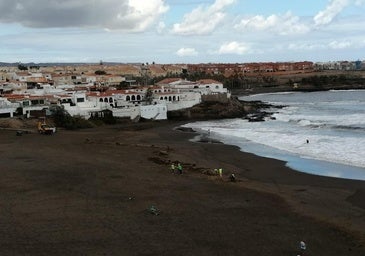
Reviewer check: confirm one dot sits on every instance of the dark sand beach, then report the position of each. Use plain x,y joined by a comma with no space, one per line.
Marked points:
90,192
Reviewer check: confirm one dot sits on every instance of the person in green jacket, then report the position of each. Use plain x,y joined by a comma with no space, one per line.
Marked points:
179,168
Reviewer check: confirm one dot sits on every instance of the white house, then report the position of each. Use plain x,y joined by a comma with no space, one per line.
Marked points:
169,95
129,103
77,104
204,87
7,108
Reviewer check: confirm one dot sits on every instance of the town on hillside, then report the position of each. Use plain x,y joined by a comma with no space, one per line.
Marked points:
139,90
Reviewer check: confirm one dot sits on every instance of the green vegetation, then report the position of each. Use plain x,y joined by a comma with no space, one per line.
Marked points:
106,118
331,80
149,96
22,67
63,119
242,81
100,72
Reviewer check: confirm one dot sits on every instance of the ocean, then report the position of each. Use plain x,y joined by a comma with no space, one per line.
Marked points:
321,133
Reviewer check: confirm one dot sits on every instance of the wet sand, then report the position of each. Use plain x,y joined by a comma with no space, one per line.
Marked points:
89,192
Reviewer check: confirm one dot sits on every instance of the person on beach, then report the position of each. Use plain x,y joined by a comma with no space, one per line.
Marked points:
220,172
172,168
232,178
179,168
302,247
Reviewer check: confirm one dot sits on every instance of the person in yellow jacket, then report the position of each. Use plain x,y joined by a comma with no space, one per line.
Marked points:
220,172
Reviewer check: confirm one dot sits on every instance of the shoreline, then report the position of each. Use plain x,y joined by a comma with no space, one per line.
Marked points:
327,166
324,168
311,166
292,176
110,175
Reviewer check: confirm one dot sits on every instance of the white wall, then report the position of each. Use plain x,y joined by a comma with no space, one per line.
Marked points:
157,111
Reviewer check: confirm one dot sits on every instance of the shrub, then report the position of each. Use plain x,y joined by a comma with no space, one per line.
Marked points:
65,120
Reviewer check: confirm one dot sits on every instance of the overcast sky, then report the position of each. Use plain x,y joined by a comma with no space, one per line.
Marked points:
181,31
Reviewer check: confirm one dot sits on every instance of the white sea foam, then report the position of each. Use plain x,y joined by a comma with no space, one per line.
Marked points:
345,150
335,134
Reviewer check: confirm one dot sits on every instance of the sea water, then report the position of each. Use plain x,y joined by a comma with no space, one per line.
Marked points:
321,133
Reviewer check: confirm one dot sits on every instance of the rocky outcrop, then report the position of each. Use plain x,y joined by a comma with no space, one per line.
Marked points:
233,108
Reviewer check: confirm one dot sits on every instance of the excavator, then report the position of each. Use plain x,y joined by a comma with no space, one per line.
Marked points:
44,128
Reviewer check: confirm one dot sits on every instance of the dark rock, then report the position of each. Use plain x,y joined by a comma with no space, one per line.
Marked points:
231,108
185,129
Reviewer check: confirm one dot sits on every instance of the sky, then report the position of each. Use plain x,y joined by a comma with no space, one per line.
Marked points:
181,31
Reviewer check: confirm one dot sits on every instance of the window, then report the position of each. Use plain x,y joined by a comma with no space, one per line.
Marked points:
80,99
101,99
110,100
128,98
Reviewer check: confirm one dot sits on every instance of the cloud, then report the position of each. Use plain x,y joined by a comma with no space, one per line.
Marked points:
183,52
161,27
305,46
331,11
202,21
282,24
130,15
334,45
234,48
340,44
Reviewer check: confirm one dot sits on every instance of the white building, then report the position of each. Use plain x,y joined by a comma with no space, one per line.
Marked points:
151,102
7,108
77,104
129,103
204,87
